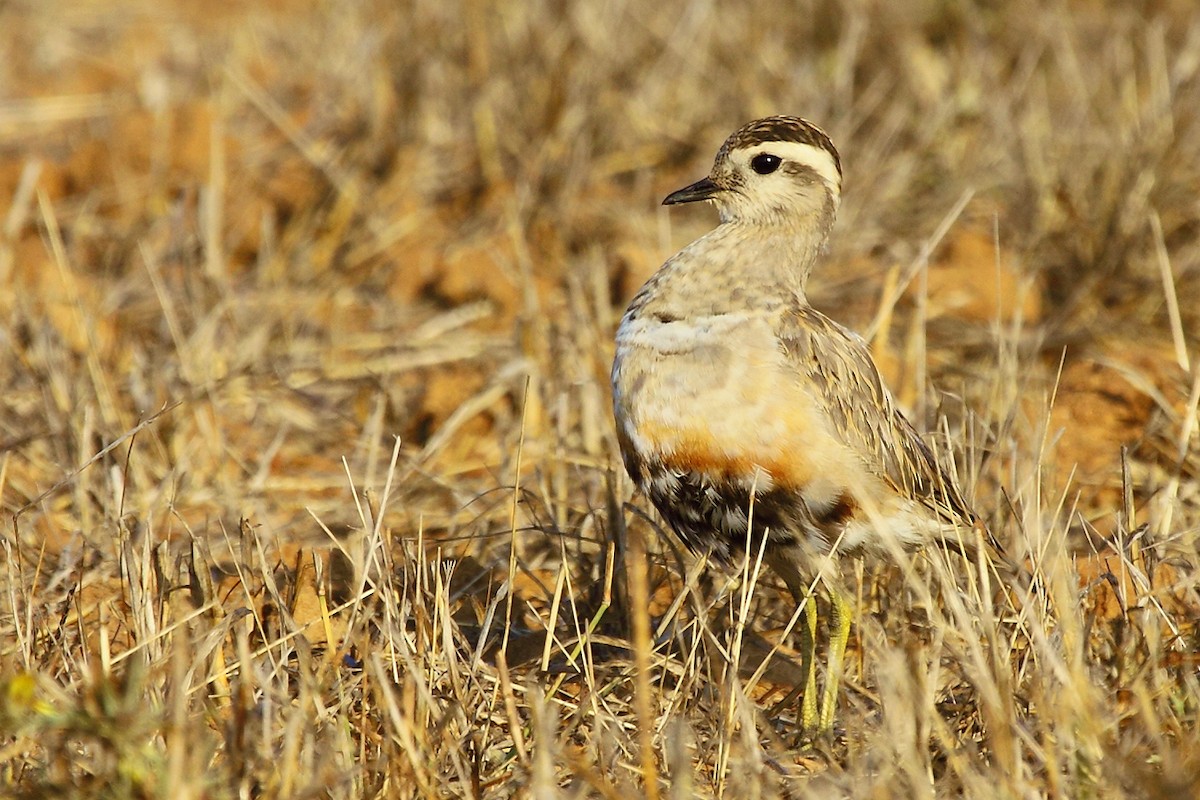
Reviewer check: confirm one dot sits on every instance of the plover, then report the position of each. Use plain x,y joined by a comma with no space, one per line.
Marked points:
744,412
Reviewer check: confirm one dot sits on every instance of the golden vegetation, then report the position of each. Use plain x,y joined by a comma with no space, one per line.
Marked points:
304,434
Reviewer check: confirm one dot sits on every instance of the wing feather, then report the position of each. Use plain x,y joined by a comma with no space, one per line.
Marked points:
838,364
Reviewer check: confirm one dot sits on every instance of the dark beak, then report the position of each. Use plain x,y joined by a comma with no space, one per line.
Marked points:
703,189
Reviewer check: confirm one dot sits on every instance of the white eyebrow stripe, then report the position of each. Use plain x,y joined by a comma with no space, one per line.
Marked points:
815,158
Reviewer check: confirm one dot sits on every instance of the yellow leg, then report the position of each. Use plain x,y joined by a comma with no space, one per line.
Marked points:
839,635
808,665
817,716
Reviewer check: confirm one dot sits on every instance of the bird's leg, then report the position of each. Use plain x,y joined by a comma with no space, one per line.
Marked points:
808,663
839,634
804,595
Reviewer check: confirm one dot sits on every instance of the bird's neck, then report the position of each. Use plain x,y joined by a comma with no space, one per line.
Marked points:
737,267
779,255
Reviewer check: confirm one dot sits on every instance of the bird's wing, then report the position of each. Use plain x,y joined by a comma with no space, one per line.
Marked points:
836,363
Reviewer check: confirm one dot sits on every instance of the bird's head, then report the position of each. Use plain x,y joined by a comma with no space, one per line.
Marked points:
776,170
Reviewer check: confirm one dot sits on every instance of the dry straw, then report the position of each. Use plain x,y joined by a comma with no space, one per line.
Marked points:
306,461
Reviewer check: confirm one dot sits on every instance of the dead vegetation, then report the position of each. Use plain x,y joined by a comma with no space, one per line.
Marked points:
306,459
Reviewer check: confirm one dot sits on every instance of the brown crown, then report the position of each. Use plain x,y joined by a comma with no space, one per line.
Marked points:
781,129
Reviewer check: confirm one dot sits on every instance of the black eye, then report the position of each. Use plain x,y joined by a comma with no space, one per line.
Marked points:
765,163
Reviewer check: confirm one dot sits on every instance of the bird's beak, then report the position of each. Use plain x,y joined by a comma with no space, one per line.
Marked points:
703,189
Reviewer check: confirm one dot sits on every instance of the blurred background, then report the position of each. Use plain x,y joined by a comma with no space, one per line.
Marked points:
246,248
316,226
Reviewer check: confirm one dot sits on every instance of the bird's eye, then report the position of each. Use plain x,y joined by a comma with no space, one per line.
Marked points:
765,163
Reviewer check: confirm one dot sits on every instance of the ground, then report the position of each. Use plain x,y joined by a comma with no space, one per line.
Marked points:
305,440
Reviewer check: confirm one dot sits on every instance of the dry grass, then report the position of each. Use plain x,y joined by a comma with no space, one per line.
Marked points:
304,431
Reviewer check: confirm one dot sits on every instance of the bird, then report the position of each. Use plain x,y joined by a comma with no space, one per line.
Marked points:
750,419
